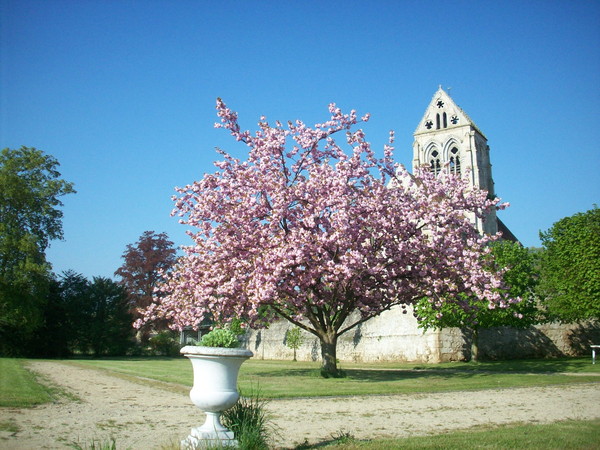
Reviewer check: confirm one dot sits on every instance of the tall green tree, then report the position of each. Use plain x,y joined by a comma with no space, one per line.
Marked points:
64,321
30,217
109,329
520,275
570,267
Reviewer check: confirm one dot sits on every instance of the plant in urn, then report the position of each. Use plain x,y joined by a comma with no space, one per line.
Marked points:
216,363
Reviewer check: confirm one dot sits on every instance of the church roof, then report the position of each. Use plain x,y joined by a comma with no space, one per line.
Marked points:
507,235
433,119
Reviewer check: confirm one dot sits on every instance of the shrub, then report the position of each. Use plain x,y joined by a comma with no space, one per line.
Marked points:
294,339
248,421
95,445
220,337
165,343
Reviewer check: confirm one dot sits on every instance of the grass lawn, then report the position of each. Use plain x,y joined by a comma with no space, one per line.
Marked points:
580,434
280,379
18,386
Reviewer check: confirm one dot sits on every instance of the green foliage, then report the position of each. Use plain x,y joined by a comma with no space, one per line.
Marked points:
570,267
22,302
294,339
96,444
471,314
109,330
220,337
64,321
343,438
82,317
248,420
30,187
465,312
521,267
165,343
236,326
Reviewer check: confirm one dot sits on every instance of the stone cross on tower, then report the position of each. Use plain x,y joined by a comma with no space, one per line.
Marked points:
446,139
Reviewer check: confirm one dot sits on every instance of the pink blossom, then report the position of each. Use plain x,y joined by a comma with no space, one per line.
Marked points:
312,230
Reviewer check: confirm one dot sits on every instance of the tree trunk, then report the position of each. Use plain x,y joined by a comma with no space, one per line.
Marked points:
329,367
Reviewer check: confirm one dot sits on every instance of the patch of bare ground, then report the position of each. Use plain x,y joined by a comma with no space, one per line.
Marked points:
153,416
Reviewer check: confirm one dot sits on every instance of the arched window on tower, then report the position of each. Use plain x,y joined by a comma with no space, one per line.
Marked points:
454,161
445,120
435,166
437,121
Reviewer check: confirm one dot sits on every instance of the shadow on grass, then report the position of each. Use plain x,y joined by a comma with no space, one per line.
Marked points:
454,370
118,358
372,375
532,366
376,376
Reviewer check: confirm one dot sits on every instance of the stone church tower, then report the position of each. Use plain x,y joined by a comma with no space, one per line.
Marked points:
446,139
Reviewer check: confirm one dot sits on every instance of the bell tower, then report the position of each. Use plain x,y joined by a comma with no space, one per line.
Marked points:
446,139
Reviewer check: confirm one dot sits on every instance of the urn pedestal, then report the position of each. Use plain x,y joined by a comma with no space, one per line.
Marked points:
215,390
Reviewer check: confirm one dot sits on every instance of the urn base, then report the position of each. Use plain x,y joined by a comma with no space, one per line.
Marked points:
210,435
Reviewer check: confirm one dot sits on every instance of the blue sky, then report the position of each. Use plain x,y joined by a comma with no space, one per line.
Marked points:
122,93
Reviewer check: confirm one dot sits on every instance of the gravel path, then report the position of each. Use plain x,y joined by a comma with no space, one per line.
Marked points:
143,416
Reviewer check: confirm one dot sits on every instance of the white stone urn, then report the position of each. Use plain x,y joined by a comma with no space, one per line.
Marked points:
215,390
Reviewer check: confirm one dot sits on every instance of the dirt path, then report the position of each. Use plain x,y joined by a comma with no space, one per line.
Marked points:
147,417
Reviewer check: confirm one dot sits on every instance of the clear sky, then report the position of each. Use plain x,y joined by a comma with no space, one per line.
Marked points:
122,93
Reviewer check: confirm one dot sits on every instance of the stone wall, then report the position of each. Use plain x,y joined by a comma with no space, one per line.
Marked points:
394,336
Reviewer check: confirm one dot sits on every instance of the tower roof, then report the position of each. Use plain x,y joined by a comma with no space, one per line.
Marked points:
433,119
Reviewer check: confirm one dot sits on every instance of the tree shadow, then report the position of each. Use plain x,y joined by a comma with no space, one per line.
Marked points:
583,336
314,350
380,376
541,366
374,375
504,343
357,336
457,371
121,358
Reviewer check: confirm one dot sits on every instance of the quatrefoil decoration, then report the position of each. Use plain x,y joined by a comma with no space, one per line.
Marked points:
454,120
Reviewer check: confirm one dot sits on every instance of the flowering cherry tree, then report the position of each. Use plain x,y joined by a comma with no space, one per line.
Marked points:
310,229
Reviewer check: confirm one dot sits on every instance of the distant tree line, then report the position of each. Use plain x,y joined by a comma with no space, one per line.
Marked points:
48,315
84,317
